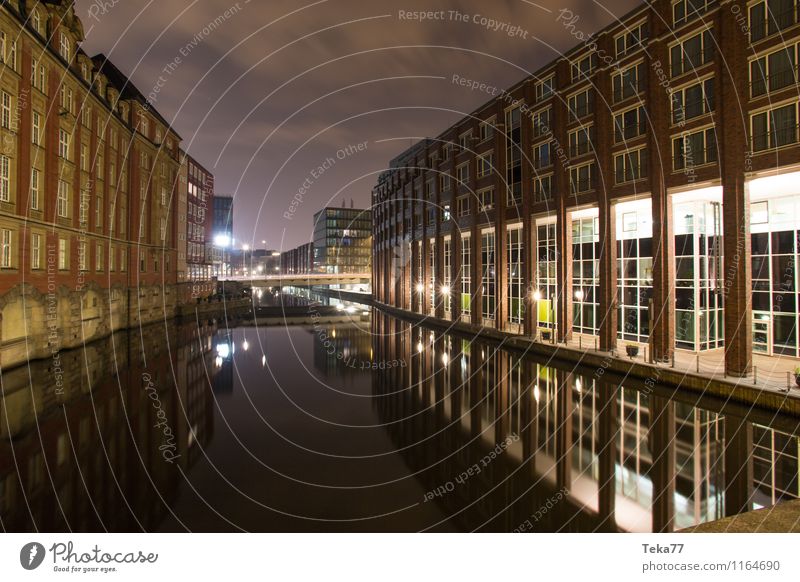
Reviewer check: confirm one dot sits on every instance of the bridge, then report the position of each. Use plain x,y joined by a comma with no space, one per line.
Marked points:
304,280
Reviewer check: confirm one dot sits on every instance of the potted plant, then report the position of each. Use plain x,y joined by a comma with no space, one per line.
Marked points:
632,350
797,376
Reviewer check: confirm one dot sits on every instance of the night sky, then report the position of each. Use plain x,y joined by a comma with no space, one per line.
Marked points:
274,88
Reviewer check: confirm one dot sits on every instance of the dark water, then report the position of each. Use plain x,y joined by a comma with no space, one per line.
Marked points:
368,426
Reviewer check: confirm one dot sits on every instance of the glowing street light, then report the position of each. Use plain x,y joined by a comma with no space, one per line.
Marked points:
420,288
537,295
579,295
445,290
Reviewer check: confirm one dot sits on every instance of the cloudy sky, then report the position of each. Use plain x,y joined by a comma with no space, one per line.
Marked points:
263,92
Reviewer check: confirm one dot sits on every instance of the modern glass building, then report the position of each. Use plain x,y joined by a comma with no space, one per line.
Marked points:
342,240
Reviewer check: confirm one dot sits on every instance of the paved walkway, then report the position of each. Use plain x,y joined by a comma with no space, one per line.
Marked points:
773,373
781,518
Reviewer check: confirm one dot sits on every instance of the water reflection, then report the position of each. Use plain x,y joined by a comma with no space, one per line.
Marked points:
372,426
96,439
584,452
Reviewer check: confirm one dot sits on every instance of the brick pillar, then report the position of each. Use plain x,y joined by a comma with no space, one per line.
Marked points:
662,334
426,249
501,250
455,250
528,237
732,80
532,256
563,216
438,229
607,214
564,267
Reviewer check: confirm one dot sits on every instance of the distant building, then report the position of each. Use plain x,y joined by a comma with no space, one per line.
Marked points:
195,250
265,262
298,261
342,240
199,221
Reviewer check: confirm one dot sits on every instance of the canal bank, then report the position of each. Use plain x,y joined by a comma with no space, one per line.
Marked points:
702,384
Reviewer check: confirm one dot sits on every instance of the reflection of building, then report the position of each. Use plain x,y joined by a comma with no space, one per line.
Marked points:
87,175
93,457
628,457
586,193
222,229
299,260
344,349
342,240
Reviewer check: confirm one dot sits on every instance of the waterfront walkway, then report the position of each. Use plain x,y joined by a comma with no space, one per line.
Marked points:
765,389
772,373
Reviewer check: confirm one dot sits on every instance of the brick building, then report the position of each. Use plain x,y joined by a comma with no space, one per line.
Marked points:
87,175
643,187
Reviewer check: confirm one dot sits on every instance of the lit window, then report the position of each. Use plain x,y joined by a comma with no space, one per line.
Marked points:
35,175
36,130
62,202
5,109
65,47
5,258
5,179
36,251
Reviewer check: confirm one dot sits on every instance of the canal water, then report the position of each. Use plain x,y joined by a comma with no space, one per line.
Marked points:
373,425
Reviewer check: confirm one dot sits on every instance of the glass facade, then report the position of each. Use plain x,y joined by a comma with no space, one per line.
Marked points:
489,275
634,270
775,232
698,271
342,240
586,292
466,275
516,283
546,273
447,292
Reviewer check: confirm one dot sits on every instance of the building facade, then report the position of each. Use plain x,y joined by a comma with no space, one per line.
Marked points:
643,187
198,234
342,240
298,261
87,175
